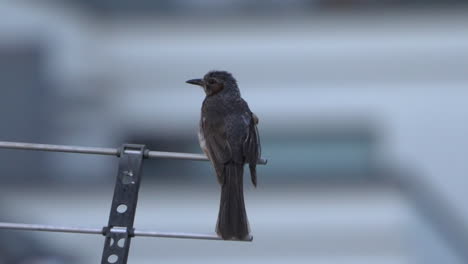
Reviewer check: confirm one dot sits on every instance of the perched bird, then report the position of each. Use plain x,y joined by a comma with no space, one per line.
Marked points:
228,135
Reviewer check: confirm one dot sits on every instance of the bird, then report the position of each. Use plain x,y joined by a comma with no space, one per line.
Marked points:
228,135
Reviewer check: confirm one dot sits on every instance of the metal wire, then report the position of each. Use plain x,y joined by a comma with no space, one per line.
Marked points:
105,151
184,235
50,228
59,148
99,231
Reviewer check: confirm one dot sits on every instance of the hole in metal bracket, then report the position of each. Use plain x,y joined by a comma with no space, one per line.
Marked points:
121,242
119,229
132,151
112,258
122,208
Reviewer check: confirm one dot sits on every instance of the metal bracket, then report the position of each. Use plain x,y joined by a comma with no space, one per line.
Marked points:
120,229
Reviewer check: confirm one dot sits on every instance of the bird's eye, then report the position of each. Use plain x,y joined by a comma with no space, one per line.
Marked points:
211,81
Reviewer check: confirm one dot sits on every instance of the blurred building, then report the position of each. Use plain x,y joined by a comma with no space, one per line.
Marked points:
362,108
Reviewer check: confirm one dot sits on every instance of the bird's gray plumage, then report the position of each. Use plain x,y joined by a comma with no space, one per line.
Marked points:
229,136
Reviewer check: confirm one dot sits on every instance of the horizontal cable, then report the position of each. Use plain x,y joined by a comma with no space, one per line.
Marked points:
99,231
49,228
184,235
104,151
59,148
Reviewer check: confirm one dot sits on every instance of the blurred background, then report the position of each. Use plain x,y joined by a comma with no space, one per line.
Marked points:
363,118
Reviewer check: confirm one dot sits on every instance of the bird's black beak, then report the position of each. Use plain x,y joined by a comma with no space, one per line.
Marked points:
199,82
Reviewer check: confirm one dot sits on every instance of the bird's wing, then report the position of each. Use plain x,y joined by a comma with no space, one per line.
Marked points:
217,145
251,146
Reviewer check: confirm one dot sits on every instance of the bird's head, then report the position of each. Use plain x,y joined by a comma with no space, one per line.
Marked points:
217,81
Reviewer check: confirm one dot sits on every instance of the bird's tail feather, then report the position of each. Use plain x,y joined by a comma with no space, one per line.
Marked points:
232,218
